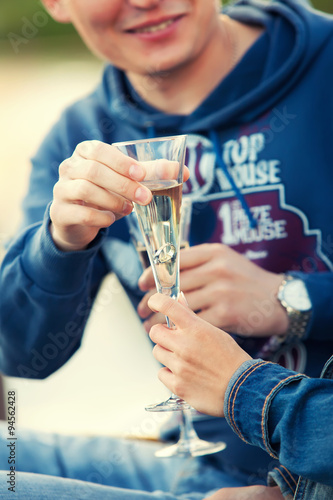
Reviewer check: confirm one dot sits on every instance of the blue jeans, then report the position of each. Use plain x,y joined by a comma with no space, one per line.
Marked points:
51,466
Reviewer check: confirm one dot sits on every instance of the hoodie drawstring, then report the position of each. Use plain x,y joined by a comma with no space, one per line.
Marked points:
220,164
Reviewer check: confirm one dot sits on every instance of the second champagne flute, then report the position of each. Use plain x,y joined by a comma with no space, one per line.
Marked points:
159,222
189,442
163,159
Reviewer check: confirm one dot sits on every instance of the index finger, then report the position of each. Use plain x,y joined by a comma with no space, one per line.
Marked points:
176,312
111,157
198,255
146,280
163,169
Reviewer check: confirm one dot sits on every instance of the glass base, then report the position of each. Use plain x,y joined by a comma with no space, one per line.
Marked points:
193,447
174,403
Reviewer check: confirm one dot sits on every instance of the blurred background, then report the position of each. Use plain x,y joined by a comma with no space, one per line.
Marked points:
44,67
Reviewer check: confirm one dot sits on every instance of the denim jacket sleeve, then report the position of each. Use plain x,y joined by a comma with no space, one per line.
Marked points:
287,414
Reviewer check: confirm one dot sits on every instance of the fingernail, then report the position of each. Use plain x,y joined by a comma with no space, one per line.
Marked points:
127,207
136,172
113,217
142,195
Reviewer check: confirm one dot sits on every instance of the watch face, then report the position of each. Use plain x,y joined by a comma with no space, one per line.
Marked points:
296,296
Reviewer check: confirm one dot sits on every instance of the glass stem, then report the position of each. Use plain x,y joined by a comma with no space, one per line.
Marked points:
187,432
170,323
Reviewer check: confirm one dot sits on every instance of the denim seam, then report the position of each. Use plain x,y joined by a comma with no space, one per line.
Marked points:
293,489
231,396
304,488
290,474
265,410
235,390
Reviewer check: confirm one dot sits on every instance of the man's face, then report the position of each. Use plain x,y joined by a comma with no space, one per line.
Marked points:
144,36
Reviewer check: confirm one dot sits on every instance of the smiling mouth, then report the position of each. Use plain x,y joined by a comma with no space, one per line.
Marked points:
154,28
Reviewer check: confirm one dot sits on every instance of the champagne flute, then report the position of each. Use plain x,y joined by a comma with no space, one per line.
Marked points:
159,225
163,159
189,442
185,222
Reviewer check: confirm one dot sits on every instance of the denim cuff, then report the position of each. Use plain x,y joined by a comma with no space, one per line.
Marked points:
248,399
284,479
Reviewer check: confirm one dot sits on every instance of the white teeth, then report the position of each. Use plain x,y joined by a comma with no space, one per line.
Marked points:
157,27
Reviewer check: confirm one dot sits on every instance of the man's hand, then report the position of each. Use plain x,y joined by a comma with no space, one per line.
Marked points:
96,186
199,359
248,493
226,289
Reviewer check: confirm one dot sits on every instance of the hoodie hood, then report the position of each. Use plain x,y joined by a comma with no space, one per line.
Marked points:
294,33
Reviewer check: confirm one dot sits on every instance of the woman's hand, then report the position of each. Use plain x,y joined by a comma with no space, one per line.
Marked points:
256,492
199,359
226,289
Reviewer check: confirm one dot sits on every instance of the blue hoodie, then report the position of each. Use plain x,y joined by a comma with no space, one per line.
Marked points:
254,147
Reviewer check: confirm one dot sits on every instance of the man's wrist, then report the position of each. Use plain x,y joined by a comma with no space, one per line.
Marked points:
49,268
294,298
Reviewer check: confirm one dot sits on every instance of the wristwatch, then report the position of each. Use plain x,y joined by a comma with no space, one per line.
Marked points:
294,298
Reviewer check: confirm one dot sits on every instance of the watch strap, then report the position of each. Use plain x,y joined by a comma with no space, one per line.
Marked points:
298,320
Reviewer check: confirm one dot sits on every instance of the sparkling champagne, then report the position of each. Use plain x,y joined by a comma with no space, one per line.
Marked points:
143,255
159,222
